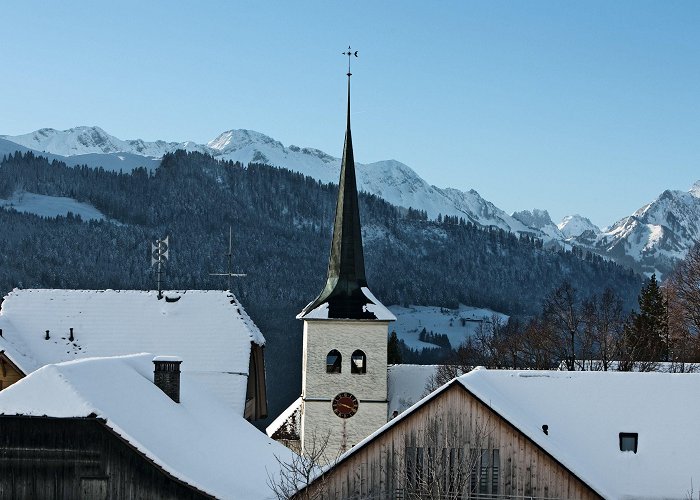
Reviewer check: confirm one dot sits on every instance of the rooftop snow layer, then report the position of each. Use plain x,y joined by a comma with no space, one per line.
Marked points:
200,441
209,330
406,384
373,306
586,412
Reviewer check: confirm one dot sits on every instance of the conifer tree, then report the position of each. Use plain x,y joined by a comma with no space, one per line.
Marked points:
393,353
646,335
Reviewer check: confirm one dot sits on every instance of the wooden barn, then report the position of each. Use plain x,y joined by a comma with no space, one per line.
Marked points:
535,435
101,428
209,329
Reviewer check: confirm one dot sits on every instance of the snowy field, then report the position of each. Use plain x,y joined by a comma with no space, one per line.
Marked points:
457,324
51,206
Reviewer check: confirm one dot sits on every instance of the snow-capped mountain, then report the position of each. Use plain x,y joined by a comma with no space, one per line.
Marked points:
656,234
392,180
573,226
87,140
541,220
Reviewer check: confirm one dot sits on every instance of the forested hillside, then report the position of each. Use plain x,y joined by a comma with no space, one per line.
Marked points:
281,230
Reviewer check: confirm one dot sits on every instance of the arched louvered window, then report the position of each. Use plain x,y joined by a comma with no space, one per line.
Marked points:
358,362
333,361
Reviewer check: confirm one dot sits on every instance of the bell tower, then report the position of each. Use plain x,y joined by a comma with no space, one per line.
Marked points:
344,371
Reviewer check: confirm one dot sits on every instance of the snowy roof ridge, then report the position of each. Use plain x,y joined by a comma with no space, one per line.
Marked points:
282,418
195,440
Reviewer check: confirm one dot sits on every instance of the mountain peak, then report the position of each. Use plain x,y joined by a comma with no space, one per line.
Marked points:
235,139
538,218
695,190
575,225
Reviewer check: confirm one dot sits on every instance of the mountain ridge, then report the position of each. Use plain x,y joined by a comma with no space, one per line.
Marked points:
649,240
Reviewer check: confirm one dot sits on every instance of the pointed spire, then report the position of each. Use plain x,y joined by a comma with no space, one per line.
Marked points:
346,264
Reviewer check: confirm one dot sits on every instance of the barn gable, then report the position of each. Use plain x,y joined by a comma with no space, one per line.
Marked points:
539,434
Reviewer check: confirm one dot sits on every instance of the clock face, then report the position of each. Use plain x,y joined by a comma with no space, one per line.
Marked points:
345,405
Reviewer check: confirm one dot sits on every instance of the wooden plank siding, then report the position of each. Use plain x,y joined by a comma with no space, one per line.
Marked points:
79,458
468,451
9,373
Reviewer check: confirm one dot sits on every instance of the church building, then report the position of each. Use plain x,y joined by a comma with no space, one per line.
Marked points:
344,372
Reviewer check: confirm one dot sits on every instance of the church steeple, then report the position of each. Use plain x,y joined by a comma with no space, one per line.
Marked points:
346,265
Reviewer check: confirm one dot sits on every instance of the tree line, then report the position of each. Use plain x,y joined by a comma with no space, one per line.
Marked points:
573,332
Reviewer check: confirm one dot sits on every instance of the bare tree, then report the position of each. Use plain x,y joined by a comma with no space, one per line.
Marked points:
685,282
447,459
603,326
295,475
443,374
541,347
561,311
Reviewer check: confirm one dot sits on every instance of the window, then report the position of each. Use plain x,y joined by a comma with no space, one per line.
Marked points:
628,441
495,471
333,361
484,472
358,362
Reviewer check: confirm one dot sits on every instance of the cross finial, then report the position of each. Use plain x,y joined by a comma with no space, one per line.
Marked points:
350,53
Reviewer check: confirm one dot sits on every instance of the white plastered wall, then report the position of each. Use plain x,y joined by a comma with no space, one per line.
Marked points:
320,387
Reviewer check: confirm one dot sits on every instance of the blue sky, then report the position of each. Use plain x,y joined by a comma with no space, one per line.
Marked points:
577,107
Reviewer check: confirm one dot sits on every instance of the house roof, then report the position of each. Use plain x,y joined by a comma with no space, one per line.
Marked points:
585,412
199,441
406,384
288,423
371,307
209,329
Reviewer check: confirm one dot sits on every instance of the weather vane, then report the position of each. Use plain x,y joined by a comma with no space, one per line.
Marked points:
349,53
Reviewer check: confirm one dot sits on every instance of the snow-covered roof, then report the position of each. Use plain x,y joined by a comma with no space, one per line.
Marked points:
209,330
585,413
289,421
406,384
199,441
373,306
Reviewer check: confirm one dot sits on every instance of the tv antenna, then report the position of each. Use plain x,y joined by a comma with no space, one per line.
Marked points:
229,262
160,252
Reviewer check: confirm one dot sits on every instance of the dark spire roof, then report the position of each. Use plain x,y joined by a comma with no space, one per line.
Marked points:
346,264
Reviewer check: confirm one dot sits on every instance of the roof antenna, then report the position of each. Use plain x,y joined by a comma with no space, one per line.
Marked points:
229,261
160,252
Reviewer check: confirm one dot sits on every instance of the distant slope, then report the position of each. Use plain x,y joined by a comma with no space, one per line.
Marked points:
458,324
50,206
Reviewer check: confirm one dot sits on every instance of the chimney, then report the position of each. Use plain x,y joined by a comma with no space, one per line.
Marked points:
0,332
71,337
47,335
166,375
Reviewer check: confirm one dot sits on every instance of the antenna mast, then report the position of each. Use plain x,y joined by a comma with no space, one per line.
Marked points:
229,262
160,253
